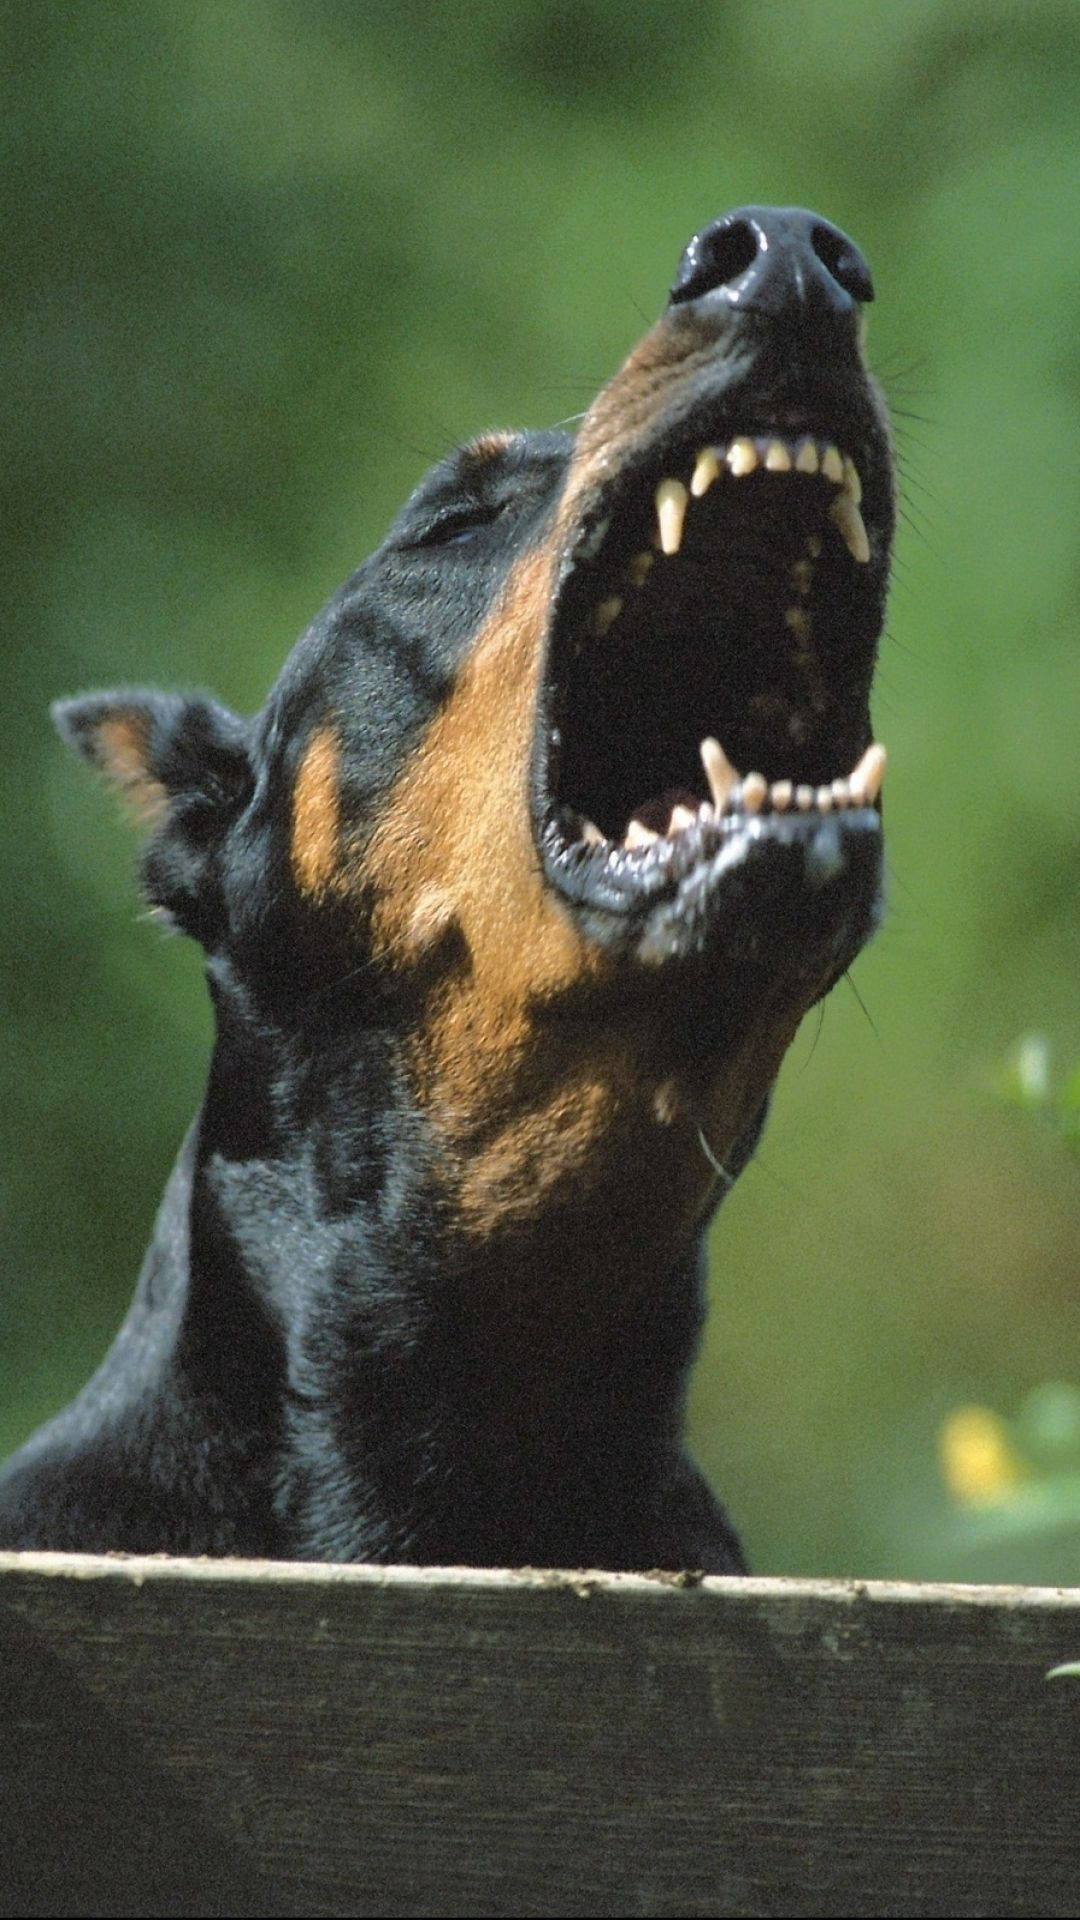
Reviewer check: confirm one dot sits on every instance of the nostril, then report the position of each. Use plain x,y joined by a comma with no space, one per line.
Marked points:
843,261
731,250
783,265
715,256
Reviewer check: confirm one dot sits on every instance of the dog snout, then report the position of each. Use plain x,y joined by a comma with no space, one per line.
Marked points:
786,265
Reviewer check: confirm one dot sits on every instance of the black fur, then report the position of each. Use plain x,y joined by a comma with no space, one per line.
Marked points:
369,1324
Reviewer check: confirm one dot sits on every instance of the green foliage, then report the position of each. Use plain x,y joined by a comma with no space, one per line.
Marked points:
262,263
1026,1081
1016,1484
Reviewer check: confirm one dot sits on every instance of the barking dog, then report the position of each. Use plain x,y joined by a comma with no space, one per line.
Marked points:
558,819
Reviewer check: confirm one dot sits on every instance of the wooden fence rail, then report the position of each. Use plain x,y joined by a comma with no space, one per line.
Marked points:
216,1737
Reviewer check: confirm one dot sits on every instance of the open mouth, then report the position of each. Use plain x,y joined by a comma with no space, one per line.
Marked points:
710,657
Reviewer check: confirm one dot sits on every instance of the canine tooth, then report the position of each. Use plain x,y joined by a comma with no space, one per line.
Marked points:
719,772
852,483
832,465
849,523
804,798
742,456
605,613
813,546
841,793
754,789
639,835
777,457
806,460
591,833
638,569
875,772
706,470
671,503
781,793
865,781
798,620
802,574
681,817
823,799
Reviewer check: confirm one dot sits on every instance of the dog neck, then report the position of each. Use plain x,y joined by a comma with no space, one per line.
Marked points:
440,1392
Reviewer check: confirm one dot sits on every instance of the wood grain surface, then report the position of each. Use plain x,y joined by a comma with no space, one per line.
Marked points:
190,1737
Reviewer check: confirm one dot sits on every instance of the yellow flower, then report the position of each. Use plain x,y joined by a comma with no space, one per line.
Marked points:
978,1461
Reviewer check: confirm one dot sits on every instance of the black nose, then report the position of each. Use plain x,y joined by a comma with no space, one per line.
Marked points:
783,262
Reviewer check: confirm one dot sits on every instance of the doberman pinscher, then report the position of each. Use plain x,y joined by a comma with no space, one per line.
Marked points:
559,818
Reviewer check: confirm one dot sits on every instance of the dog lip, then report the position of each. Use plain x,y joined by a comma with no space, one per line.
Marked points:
743,886
602,873
806,888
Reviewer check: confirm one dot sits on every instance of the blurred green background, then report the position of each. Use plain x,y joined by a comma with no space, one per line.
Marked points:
262,263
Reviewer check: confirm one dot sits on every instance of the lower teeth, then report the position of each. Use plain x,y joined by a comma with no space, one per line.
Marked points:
751,792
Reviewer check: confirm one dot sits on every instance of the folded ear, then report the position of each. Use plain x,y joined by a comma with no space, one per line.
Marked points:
183,763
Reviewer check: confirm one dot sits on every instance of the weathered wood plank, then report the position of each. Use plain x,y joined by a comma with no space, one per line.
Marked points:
228,1738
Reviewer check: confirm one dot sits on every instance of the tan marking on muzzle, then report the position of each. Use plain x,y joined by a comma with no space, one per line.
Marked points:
542,1097
455,839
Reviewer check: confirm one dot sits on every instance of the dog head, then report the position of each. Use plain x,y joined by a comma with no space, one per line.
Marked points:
572,787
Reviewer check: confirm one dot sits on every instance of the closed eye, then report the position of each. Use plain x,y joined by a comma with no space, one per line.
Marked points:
459,525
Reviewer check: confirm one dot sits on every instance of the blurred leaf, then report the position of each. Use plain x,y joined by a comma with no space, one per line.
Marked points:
1048,1424
1070,1093
979,1464
1025,1078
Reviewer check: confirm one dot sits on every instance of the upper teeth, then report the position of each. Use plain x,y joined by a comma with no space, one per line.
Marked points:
671,504
705,472
846,518
744,455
